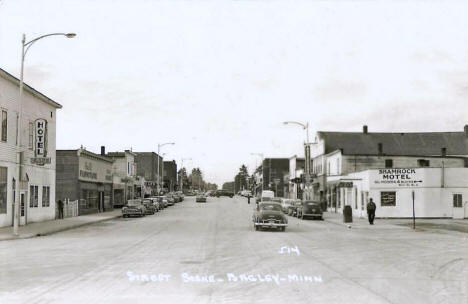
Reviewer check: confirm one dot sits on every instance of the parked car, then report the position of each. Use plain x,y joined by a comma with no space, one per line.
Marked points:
170,200
309,209
201,198
133,207
162,200
149,206
157,204
181,194
292,209
246,193
269,215
224,193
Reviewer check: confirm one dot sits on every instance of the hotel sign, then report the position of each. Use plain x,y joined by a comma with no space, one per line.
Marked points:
40,143
397,178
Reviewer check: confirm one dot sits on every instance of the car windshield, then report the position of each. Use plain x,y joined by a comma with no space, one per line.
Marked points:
134,203
271,207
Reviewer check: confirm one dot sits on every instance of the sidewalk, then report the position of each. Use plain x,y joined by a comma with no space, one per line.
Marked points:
49,227
361,223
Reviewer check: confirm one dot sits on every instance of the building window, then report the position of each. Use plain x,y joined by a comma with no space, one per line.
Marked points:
457,201
388,199
46,196
31,135
4,125
33,196
338,166
3,189
423,163
389,163
128,168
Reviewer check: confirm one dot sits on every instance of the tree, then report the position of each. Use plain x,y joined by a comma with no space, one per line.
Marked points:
240,180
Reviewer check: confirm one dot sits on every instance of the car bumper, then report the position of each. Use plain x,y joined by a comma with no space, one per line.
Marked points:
271,224
313,214
132,213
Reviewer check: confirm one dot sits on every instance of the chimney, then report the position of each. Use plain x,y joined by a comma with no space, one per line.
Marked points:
443,151
379,146
364,129
103,150
466,130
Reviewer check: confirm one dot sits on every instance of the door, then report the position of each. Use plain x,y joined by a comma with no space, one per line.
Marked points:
457,204
22,208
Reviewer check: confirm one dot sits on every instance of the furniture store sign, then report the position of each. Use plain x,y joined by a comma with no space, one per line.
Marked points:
397,178
40,143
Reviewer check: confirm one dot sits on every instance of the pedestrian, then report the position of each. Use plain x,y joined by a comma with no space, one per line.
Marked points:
248,199
371,211
60,209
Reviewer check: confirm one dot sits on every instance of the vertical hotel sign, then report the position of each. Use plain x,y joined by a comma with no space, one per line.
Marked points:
40,143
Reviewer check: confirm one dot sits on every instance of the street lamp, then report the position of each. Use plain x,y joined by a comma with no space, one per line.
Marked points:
158,179
263,167
306,154
24,49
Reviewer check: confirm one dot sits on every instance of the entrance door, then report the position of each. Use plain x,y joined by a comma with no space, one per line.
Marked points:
22,208
458,208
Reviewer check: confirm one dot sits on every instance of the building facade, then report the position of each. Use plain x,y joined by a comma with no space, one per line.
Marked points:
170,175
337,154
147,167
87,177
38,157
124,176
271,174
436,192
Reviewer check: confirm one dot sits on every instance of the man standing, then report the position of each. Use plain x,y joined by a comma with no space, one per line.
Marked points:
60,209
371,211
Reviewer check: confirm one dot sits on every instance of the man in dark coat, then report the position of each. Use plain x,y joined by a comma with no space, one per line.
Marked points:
371,211
60,209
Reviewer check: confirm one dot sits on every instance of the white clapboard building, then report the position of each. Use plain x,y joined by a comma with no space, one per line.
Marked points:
38,143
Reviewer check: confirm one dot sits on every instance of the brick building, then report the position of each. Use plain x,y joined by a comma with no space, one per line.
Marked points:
147,167
170,175
87,177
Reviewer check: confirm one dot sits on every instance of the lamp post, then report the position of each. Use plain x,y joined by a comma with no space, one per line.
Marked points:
306,155
158,179
162,169
24,50
263,167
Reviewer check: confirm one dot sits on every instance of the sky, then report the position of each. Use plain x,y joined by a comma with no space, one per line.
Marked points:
218,78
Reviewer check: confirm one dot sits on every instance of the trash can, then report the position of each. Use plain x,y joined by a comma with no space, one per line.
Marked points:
347,214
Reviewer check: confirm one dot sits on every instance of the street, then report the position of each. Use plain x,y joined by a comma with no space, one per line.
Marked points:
210,253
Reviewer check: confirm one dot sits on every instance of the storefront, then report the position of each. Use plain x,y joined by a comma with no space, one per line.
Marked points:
436,192
86,177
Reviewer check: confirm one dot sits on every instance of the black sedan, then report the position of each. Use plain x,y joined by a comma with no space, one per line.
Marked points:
309,209
269,215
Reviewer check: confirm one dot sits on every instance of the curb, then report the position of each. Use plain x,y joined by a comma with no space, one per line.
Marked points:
61,229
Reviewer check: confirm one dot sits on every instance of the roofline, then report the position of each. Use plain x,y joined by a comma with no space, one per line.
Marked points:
395,133
30,89
406,155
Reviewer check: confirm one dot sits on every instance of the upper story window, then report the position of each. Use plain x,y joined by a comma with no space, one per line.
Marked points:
128,168
389,163
4,125
423,163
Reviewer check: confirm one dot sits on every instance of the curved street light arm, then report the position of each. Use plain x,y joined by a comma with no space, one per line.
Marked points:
31,42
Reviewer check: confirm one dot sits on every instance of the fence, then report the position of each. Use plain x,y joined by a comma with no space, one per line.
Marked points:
70,208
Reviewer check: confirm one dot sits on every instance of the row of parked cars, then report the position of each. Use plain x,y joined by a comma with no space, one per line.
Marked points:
148,206
271,211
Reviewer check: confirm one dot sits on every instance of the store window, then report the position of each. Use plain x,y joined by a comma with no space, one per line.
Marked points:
457,200
46,196
389,163
33,196
388,198
4,125
3,189
423,163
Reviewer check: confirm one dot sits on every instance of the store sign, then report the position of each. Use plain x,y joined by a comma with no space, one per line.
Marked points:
150,184
40,143
94,170
390,178
345,185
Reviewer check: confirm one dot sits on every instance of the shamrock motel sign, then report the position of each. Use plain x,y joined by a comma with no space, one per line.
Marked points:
40,143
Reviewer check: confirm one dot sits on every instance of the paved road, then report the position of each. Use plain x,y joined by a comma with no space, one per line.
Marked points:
156,259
